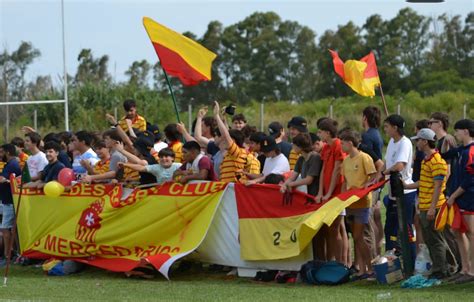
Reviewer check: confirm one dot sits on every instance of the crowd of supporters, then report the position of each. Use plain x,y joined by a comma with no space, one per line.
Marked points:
435,167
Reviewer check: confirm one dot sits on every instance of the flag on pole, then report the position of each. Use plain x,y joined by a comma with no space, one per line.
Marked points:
361,75
180,56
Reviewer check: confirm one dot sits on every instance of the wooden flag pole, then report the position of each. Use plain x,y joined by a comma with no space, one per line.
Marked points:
383,100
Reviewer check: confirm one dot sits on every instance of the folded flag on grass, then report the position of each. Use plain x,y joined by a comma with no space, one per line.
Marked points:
361,75
179,55
277,226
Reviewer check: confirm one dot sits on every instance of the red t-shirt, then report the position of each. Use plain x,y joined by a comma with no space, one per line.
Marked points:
330,154
205,164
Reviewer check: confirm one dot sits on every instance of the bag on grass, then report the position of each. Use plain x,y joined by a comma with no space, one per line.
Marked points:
325,273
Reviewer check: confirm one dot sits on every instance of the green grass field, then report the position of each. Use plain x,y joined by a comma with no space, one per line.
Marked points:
30,283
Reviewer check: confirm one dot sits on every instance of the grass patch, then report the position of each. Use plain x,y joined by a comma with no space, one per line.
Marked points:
30,283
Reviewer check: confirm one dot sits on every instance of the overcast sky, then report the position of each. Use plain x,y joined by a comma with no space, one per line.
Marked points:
115,27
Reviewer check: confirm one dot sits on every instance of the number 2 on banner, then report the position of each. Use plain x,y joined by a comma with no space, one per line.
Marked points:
277,235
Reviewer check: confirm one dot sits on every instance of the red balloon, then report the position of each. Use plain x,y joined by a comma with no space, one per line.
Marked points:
66,176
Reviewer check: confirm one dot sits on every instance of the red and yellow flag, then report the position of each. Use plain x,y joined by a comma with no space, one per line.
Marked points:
362,75
278,226
180,56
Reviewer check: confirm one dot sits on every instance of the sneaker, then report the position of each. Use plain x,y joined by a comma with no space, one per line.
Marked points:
437,275
465,279
455,277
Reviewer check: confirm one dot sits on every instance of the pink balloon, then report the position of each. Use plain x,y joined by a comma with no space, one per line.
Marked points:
66,176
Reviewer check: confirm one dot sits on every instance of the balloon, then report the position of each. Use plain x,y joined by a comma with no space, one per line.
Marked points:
66,176
53,189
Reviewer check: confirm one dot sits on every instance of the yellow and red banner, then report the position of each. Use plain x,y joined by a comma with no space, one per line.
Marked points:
277,226
98,225
179,55
361,75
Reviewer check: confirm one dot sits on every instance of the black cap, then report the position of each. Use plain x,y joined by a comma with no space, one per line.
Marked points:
268,144
155,130
396,120
299,123
274,129
465,124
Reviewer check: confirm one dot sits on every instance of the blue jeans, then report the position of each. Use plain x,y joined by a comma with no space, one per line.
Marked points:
391,223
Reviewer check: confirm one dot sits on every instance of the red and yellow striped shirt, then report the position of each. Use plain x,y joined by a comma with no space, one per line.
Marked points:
138,122
2,165
102,166
293,158
235,160
177,147
431,169
253,164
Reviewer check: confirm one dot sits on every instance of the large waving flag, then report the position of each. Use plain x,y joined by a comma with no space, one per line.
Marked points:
361,75
277,226
179,55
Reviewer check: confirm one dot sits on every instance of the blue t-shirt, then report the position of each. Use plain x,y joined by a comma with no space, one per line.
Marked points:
12,167
51,171
373,139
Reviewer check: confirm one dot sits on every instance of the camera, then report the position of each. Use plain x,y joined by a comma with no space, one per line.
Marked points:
230,110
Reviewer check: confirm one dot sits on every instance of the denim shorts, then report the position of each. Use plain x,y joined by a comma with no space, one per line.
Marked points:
8,216
359,215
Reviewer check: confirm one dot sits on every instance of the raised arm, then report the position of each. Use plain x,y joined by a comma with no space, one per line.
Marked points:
203,141
182,129
221,125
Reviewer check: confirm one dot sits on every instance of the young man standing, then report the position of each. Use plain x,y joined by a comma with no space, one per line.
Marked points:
330,186
81,142
111,139
37,160
197,166
462,189
296,126
136,121
276,130
359,171
431,197
12,166
398,158
19,144
52,169
235,159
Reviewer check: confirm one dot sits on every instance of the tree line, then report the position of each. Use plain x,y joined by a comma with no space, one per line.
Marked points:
263,58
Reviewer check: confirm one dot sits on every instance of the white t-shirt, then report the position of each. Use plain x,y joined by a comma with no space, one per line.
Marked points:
79,170
277,165
36,163
401,151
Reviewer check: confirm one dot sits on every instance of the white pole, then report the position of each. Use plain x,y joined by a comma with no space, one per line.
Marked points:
66,104
398,109
115,113
330,110
262,112
464,111
35,120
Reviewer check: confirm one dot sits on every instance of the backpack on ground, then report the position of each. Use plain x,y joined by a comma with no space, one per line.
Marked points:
325,273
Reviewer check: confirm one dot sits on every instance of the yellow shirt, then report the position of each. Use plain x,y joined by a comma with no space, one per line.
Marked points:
293,159
234,160
431,168
253,164
177,148
356,171
102,167
2,165
138,122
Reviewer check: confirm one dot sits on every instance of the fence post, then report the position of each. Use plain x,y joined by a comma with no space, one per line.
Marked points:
115,114
35,120
464,110
262,108
7,123
331,108
190,116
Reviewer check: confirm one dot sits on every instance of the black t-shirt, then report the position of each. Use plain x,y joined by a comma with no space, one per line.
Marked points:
145,177
285,148
51,171
261,158
212,148
311,167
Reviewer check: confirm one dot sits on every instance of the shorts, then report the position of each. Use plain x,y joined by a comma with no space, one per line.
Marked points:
359,215
8,216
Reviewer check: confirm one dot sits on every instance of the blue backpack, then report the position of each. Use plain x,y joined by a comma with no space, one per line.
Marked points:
325,273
